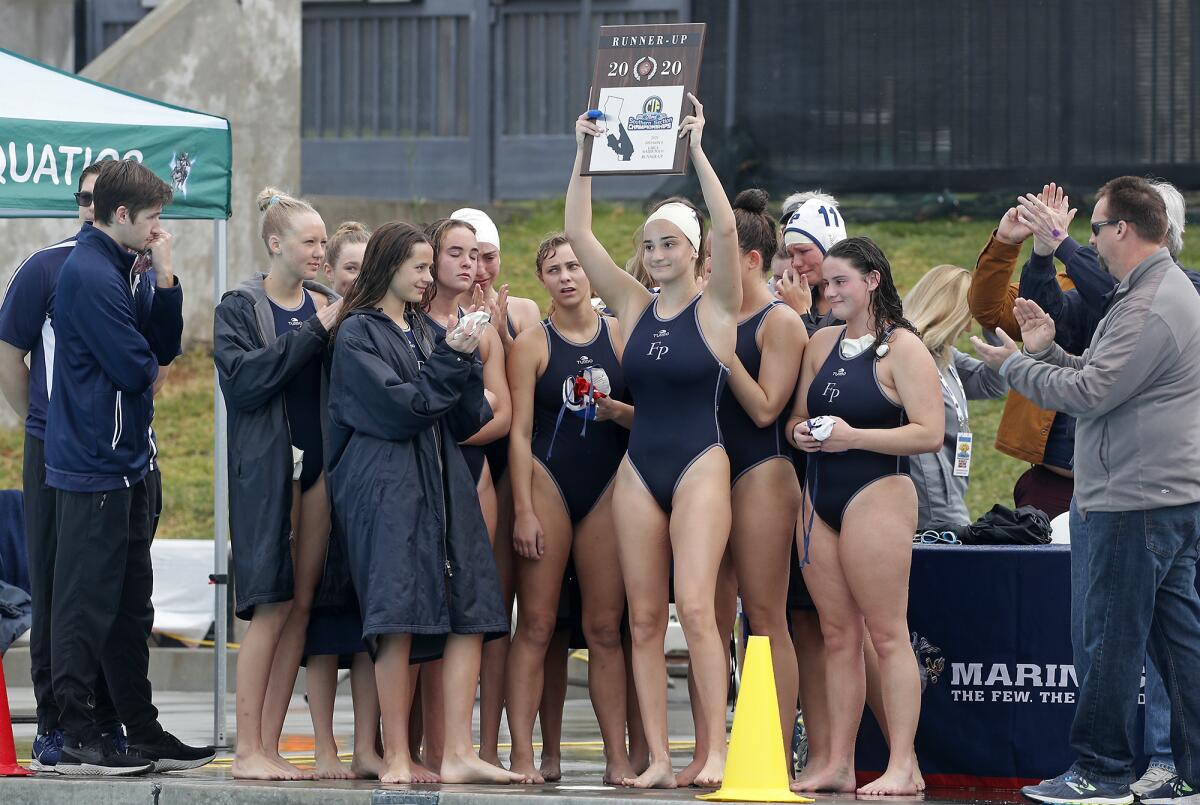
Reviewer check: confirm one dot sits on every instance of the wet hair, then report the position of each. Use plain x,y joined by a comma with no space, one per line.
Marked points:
643,276
548,248
633,266
937,306
887,311
388,248
278,209
92,170
436,233
129,184
756,230
1135,201
348,233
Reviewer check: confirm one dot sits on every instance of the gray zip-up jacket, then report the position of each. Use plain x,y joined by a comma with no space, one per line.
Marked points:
1135,392
941,495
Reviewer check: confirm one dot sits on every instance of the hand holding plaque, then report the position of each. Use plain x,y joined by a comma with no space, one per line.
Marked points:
642,75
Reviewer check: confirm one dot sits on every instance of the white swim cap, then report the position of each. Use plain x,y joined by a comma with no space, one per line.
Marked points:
816,222
485,230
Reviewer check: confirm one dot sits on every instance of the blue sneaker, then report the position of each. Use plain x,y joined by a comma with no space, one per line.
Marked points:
1173,791
47,749
1072,788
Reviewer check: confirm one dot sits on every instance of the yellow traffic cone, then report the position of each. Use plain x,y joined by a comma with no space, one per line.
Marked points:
756,768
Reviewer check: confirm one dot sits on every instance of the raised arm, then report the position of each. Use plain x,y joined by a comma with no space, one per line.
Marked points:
251,375
724,288
991,293
369,396
494,381
621,292
783,341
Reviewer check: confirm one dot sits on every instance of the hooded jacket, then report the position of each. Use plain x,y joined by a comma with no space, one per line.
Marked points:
109,342
403,496
254,366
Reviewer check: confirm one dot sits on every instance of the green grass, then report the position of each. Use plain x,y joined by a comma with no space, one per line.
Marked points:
184,419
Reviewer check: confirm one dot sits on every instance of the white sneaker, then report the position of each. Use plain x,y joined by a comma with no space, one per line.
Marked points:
1154,779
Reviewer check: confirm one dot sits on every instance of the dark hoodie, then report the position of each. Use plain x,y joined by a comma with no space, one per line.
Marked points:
403,496
254,366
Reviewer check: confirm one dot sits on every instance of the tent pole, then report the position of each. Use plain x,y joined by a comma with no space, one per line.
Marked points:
220,510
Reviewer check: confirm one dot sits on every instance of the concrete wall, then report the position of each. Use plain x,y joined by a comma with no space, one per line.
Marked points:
236,58
40,29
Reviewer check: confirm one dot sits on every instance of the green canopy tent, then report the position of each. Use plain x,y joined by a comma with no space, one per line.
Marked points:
52,125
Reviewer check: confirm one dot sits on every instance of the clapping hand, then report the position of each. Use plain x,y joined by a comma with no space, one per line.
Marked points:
1037,331
1047,216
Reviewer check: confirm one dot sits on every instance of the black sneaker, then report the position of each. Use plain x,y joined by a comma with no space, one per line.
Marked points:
98,758
168,753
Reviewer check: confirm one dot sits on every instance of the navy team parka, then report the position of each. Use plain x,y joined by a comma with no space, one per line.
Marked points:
402,494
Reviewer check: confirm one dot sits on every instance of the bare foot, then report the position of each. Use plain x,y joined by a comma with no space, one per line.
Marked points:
289,769
551,769
714,770
836,779
259,767
617,771
526,770
895,781
471,768
424,775
331,767
918,778
658,775
398,771
367,766
687,775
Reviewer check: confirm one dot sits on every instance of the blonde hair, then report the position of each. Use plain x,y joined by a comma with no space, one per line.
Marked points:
278,209
937,307
348,233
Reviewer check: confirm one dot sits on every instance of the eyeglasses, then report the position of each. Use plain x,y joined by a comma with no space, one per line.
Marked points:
84,198
936,538
1098,225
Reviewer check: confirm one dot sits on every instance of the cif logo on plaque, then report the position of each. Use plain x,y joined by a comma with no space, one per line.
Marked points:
642,75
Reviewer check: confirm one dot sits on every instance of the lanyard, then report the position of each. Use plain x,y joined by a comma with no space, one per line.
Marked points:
959,409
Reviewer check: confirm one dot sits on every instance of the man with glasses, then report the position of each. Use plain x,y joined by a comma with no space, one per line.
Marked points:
1079,310
1134,392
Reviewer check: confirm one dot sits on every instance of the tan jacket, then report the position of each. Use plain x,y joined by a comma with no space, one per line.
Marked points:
1024,428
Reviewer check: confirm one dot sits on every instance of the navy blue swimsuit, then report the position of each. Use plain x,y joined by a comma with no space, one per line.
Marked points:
579,455
302,394
474,454
676,383
849,388
747,444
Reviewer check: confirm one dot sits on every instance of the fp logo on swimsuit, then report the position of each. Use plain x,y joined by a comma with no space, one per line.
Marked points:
831,391
658,349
